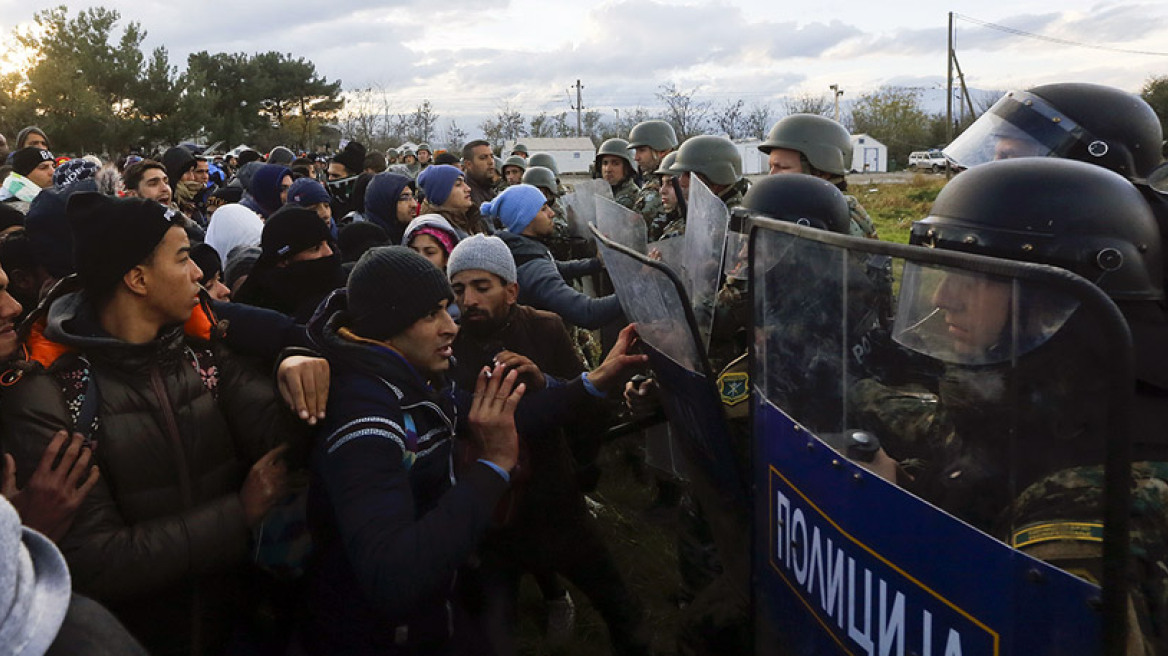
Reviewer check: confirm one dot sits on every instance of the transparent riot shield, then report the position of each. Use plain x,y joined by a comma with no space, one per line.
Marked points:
621,225
653,298
580,206
993,519
670,251
705,242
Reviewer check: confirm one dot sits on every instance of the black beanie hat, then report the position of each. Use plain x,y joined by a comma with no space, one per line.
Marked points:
177,160
352,156
392,287
208,260
27,159
289,230
113,235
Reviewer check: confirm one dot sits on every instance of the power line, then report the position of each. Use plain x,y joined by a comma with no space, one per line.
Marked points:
1052,39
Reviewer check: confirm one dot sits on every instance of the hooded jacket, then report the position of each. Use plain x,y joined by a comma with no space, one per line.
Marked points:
381,203
162,538
542,285
263,190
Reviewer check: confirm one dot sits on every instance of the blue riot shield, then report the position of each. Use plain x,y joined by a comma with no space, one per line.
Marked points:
998,391
654,298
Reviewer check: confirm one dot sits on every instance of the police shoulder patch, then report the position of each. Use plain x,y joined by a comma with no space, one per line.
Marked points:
734,387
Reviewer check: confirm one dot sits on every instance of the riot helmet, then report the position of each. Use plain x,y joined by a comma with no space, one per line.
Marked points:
545,160
656,134
544,178
797,198
1086,122
716,158
1063,213
825,144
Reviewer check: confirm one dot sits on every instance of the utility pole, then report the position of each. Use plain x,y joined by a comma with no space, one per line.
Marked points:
836,93
949,94
579,107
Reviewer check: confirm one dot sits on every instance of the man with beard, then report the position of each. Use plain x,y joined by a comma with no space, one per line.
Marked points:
297,267
478,162
549,529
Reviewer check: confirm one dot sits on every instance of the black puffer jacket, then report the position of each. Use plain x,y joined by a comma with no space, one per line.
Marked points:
162,537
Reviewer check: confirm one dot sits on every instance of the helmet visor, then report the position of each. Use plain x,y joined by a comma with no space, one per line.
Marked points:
970,318
1020,124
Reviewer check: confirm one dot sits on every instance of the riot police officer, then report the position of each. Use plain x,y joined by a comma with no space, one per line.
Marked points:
1030,342
819,146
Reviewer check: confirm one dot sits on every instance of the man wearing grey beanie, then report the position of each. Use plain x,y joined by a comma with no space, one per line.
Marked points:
550,531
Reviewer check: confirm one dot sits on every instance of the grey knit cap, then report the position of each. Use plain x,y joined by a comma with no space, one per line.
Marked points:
483,253
34,587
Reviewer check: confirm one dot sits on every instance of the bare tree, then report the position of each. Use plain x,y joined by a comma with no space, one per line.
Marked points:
683,111
758,121
730,119
542,125
627,120
423,122
455,137
808,103
593,125
360,120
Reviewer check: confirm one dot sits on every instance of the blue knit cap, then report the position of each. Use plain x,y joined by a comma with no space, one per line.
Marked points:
437,181
516,207
306,191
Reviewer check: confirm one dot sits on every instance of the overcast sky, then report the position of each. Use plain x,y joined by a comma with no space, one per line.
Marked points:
469,56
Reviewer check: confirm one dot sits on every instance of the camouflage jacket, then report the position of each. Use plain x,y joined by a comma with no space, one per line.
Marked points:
649,203
862,225
626,193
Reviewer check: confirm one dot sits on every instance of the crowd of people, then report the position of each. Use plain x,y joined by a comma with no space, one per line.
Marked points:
303,404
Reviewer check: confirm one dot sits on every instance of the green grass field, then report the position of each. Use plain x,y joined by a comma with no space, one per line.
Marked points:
894,206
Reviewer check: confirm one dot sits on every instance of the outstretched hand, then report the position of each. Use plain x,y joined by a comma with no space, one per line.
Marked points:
56,489
492,414
618,363
304,386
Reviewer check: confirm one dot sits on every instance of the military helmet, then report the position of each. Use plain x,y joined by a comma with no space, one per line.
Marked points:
544,178
498,165
666,163
408,152
545,160
515,160
656,134
1089,122
717,158
825,143
519,148
425,147
1064,213
618,148
798,198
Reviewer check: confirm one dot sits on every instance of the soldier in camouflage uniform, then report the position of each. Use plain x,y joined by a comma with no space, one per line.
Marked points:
615,165
513,169
650,142
1066,214
816,145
